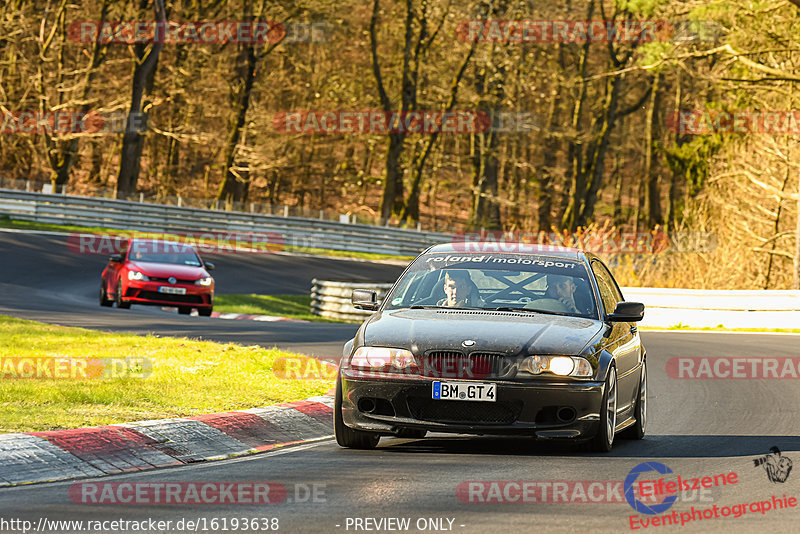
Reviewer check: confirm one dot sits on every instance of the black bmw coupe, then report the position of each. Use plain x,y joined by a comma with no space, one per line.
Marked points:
538,341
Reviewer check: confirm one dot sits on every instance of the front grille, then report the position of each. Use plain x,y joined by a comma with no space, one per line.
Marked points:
166,280
446,411
454,364
166,297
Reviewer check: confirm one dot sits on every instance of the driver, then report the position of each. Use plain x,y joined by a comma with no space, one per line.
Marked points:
461,291
562,288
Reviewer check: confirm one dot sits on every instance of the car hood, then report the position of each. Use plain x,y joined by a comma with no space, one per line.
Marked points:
165,270
507,332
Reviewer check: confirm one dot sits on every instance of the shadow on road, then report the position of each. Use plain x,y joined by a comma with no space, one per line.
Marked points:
655,446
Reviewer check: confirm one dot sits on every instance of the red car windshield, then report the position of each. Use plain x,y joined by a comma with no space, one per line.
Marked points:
158,252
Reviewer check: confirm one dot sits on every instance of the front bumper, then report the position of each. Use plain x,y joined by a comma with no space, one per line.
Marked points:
532,408
146,292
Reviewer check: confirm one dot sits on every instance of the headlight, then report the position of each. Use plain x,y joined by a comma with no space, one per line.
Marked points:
384,359
205,281
136,275
558,365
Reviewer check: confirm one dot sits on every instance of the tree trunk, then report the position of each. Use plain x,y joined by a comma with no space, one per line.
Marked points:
143,77
651,171
235,186
797,240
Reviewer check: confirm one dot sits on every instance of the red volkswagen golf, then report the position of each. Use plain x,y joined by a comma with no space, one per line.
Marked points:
161,273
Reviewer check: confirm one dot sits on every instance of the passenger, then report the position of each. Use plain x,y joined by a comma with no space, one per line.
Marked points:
461,291
562,288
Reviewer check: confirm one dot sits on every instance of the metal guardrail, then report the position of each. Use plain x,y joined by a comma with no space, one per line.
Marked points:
293,231
664,308
331,298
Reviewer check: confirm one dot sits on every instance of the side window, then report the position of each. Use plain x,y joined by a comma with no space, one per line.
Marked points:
609,292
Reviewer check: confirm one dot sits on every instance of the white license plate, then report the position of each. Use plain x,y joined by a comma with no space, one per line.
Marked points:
172,290
466,391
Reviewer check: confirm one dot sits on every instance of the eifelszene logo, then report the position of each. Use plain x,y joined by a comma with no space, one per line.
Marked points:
630,485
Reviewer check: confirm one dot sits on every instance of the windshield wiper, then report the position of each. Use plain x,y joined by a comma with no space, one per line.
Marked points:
548,312
433,307
512,309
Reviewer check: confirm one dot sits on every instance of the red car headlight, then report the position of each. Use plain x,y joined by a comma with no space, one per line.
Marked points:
136,275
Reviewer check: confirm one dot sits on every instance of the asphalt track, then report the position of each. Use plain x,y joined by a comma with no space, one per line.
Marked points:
696,427
41,279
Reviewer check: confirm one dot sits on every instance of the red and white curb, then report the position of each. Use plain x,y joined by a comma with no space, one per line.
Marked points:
28,458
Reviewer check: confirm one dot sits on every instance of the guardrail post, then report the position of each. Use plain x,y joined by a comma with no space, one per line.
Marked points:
285,210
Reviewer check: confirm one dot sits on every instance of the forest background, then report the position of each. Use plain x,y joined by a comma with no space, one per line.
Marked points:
686,127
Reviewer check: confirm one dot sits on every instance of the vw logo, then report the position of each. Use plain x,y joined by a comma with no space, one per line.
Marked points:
468,342
172,280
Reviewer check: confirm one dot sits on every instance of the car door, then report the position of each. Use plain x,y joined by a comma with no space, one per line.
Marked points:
624,341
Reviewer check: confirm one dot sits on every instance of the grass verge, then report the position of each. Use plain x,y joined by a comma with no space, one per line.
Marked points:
6,222
187,377
291,306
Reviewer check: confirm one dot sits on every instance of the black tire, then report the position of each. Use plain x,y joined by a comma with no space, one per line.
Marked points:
204,312
638,429
346,436
604,439
118,298
411,433
183,310
104,300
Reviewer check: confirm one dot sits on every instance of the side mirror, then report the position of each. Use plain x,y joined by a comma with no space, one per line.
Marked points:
364,299
209,266
115,257
626,312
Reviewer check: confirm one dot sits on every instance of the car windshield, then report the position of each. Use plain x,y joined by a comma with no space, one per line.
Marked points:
513,282
163,252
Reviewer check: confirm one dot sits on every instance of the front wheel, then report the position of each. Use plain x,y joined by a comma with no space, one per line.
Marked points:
346,436
637,431
118,298
104,300
604,438
204,312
